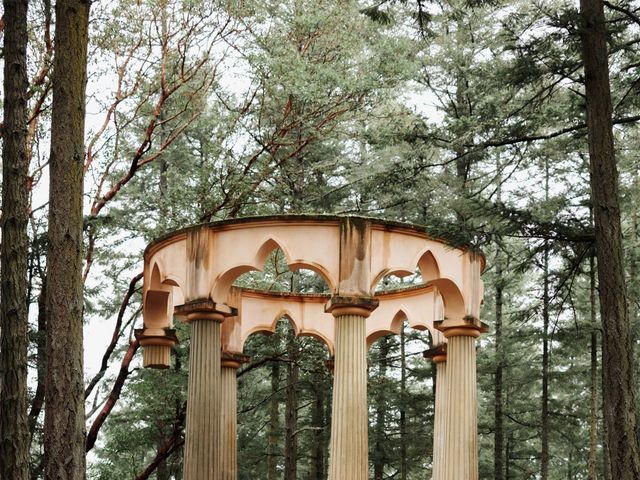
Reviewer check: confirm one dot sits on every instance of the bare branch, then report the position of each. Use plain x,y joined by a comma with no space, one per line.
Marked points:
92,435
173,443
117,332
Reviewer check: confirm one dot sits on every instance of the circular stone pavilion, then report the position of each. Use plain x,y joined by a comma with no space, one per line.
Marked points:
190,274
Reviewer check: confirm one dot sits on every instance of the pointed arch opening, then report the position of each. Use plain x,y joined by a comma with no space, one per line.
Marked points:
278,274
289,397
428,266
273,269
400,392
424,270
390,280
453,306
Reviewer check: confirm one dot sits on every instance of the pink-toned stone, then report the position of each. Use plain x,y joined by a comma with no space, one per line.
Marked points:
195,268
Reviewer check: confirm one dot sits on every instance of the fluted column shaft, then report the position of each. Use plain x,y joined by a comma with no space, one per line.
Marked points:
229,467
440,415
203,434
460,455
228,414
349,422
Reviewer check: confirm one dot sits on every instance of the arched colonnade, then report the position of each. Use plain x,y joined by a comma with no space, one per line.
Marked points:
190,274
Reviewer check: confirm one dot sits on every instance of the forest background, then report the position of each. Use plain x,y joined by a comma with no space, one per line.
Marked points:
467,117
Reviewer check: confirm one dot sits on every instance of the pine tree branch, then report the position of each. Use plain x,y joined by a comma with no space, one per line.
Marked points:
548,136
624,11
524,222
253,366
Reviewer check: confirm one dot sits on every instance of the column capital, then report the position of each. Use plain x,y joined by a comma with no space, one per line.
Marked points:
162,337
204,309
464,327
156,346
351,305
233,359
437,354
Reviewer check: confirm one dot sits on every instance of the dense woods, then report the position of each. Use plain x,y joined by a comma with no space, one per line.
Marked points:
509,125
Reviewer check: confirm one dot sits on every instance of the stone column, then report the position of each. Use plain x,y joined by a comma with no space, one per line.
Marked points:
203,436
156,346
350,417
460,454
229,464
438,356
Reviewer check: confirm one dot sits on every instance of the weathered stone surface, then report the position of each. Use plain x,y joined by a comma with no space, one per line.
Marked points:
195,269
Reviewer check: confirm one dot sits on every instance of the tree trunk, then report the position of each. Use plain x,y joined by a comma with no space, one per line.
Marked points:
14,341
291,411
274,421
433,375
593,420
162,472
379,458
498,450
544,460
617,355
508,456
64,425
634,290
403,406
326,433
317,422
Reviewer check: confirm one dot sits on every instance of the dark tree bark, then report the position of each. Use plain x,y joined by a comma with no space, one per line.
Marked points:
498,451
508,448
617,355
498,422
326,433
403,405
274,421
544,460
64,424
379,459
291,411
162,472
175,442
317,420
593,417
14,429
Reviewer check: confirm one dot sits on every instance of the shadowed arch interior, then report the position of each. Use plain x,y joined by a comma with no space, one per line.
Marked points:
452,299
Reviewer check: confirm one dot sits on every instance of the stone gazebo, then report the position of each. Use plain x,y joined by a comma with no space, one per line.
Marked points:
190,274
